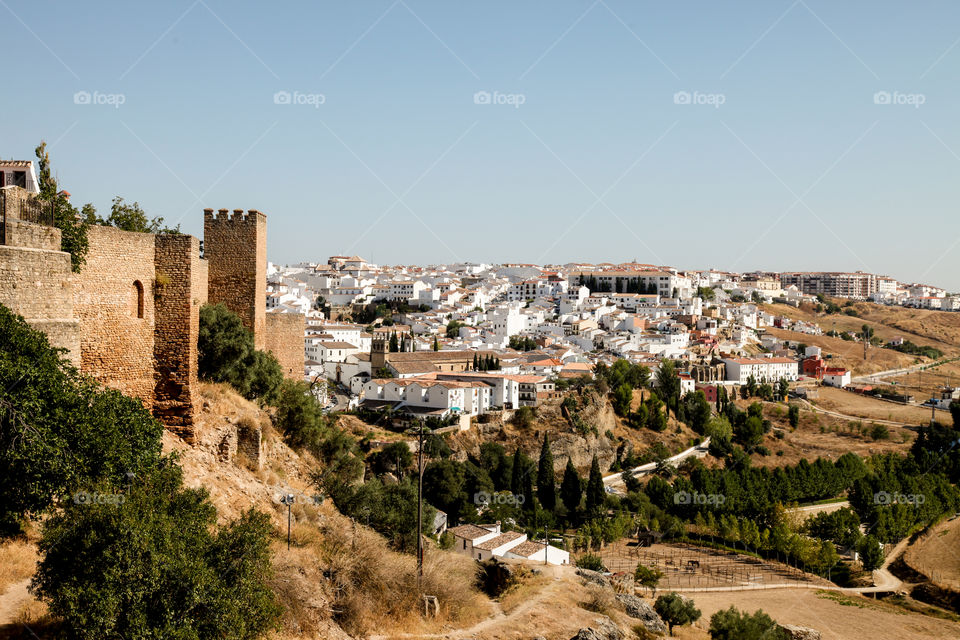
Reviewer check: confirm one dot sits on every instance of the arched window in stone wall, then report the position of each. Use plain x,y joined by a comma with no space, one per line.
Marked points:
138,298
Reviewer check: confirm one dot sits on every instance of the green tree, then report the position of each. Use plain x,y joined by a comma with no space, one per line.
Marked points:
226,354
955,414
131,217
648,577
58,429
72,224
436,344
783,389
571,488
676,610
668,383
871,553
546,482
697,411
155,566
523,418
444,487
731,624
622,397
595,492
751,386
793,415
394,343
750,433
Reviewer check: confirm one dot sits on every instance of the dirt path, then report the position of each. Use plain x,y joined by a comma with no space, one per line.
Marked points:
13,600
496,618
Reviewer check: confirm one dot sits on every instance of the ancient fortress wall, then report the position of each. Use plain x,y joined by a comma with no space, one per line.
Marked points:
114,302
235,246
285,340
131,317
36,281
179,296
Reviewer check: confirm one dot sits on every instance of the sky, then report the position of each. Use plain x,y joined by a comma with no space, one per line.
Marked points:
762,134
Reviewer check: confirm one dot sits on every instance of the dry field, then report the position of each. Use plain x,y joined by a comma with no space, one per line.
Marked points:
837,617
940,329
937,555
868,408
850,354
926,384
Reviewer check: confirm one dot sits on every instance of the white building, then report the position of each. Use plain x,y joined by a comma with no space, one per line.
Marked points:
762,369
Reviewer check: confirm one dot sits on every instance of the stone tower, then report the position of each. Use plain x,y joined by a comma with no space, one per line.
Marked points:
235,247
378,353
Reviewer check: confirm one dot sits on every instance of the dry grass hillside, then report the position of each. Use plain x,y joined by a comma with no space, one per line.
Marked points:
937,329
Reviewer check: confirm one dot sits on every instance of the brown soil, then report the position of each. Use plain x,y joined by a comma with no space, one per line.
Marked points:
937,555
869,408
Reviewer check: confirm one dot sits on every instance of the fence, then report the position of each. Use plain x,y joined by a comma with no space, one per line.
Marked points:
19,206
688,567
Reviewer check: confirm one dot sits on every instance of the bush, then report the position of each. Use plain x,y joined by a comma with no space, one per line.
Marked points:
676,610
879,432
523,418
226,354
731,624
58,429
154,566
591,562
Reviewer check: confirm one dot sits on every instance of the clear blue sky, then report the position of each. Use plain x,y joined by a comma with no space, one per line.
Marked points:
799,168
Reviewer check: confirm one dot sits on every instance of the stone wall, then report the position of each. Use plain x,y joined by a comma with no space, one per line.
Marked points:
35,236
114,302
36,282
235,246
285,340
178,298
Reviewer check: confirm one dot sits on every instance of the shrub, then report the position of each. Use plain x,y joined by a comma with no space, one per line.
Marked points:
591,562
879,432
226,354
731,624
153,566
58,429
676,610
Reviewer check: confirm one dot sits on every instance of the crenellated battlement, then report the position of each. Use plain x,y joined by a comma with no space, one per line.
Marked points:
237,216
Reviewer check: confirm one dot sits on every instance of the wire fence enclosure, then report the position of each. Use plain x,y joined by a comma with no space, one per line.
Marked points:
686,566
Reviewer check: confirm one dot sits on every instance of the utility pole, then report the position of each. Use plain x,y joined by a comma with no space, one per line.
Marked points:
288,500
420,430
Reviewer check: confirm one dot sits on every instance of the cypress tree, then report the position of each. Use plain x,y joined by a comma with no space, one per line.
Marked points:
594,489
571,489
546,483
436,344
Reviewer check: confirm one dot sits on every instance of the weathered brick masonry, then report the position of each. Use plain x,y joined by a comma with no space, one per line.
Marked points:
285,340
130,318
235,246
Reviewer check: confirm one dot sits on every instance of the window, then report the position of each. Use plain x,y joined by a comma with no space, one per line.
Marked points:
138,298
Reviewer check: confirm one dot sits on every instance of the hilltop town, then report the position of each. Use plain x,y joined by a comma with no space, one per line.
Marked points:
468,450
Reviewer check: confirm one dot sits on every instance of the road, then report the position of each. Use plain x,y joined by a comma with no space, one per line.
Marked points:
844,416
699,451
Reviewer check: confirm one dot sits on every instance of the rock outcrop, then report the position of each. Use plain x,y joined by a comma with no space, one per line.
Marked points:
636,607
